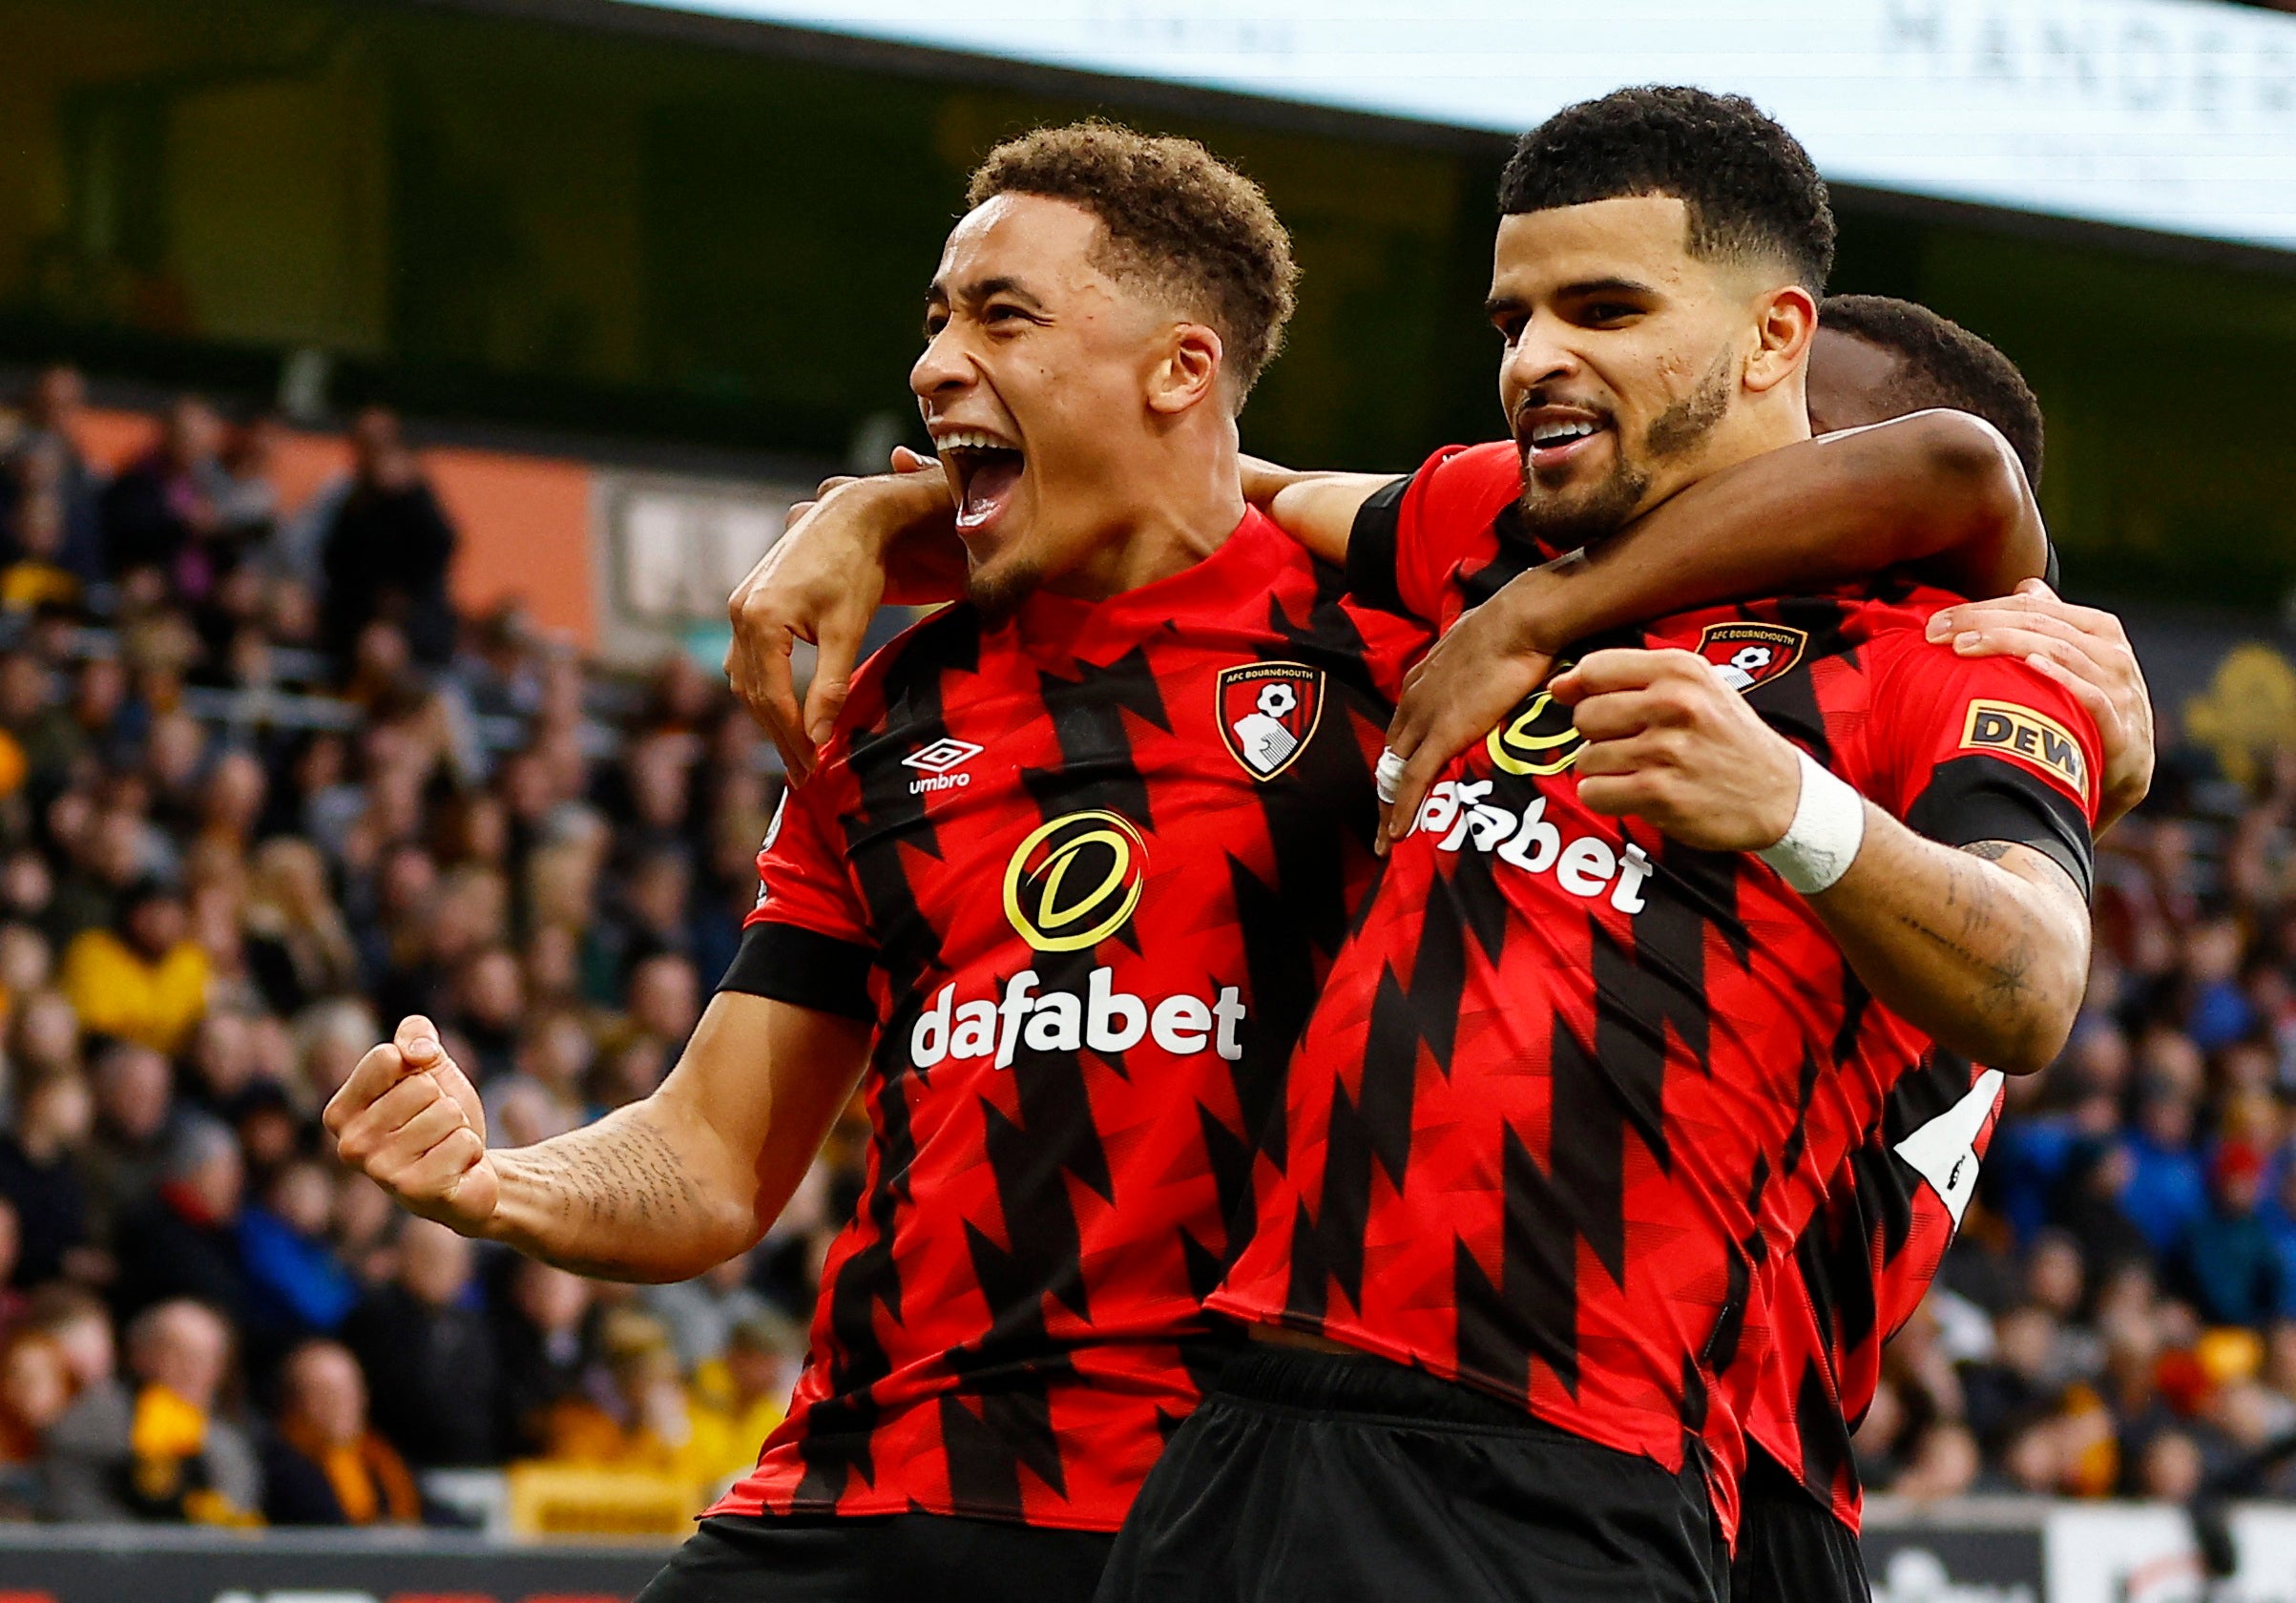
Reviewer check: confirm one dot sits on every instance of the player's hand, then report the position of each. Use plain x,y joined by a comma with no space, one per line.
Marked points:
1462,689
820,583
409,1119
1667,740
2088,653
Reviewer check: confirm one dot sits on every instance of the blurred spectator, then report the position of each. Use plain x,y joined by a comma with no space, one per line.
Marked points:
36,1388
44,464
364,1218
489,1000
701,1314
649,1418
161,508
76,1320
39,1174
385,552
2025,1371
298,1284
546,1335
158,1450
145,978
134,1106
183,1242
323,1465
666,1000
247,500
2217,1012
34,574
2165,1190
752,1383
2089,1207
543,1096
217,1067
1945,1464
430,1354
2171,1468
299,949
2228,1263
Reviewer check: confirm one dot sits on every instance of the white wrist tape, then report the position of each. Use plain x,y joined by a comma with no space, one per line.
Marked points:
1821,842
1387,775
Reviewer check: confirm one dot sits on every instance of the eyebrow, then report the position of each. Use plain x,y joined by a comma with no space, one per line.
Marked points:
937,293
1582,290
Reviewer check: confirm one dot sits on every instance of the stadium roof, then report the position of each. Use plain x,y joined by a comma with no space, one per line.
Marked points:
2174,116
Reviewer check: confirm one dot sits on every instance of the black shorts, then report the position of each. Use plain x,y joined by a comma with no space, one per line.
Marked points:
1789,1545
879,1558
1331,1479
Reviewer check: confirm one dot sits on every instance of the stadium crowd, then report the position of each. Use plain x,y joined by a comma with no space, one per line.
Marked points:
262,792
207,916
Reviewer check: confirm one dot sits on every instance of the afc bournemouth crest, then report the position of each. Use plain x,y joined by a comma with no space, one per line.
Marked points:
1749,653
1267,713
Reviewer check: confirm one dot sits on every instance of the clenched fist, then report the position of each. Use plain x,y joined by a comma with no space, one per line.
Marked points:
409,1119
1667,740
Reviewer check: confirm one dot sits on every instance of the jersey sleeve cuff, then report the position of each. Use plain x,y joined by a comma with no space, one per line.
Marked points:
803,967
1974,799
1372,546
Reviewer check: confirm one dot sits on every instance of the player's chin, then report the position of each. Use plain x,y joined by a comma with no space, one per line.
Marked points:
998,584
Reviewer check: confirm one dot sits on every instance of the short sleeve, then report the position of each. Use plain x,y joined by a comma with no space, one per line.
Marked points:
1411,535
807,941
1969,749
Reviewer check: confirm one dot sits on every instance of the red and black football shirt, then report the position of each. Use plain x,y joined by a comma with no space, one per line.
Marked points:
1573,1087
1861,1268
1086,872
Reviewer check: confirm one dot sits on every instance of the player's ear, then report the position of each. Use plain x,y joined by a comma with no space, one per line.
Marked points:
1787,321
1188,370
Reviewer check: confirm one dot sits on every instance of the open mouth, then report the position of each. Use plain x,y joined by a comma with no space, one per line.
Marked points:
986,471
1554,436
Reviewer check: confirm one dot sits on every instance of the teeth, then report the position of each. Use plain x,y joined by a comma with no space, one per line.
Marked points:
1556,433
970,439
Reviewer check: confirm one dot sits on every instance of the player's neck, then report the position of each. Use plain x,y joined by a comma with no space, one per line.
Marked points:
1761,425
1173,515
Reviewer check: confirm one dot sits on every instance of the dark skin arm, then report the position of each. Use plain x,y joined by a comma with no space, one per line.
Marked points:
1940,489
1936,491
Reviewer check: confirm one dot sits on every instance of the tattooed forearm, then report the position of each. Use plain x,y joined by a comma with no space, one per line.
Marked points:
1985,949
615,1201
1989,940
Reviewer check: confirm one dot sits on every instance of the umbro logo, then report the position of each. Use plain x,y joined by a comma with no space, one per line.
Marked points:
935,762
941,756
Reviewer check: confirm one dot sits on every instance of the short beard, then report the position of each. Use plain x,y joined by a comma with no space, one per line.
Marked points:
997,590
1683,426
1611,504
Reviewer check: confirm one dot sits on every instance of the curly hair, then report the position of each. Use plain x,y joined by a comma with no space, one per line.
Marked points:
1941,363
1750,187
1174,215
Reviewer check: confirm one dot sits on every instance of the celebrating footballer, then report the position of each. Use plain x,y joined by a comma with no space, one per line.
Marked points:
1419,1034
